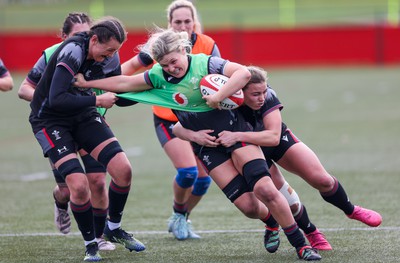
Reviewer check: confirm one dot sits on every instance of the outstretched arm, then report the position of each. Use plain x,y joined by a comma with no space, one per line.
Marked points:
119,83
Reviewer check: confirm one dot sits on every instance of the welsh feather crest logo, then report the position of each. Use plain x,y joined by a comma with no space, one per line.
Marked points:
180,98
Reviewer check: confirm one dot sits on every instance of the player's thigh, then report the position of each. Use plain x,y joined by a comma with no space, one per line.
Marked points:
301,160
201,169
224,173
243,155
180,153
93,134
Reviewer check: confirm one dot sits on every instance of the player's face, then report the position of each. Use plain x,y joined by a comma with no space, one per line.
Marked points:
76,28
175,63
182,20
100,51
255,94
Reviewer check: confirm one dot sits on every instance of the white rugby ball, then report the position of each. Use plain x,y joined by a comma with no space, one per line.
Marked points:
211,83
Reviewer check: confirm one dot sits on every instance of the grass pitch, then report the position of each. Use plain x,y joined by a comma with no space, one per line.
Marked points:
348,116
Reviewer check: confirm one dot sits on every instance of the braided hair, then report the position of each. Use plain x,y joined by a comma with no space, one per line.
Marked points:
107,28
73,19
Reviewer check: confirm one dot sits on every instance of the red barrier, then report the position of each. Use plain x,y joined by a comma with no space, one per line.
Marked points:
312,46
372,44
20,51
391,45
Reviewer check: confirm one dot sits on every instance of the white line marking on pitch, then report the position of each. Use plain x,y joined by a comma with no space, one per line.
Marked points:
34,177
389,228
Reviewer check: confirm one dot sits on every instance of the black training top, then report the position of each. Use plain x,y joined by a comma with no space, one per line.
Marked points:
54,94
254,118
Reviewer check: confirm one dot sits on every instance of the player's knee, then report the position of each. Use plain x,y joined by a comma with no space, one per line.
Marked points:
236,188
291,196
69,167
254,171
186,177
61,193
108,152
327,183
97,183
121,170
201,185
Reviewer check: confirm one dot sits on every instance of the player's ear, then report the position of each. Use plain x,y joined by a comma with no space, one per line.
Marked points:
94,39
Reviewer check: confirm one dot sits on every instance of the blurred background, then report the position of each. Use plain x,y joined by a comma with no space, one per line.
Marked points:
262,32
336,68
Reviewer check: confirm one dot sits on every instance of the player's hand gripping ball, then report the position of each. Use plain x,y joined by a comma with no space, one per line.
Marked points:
211,83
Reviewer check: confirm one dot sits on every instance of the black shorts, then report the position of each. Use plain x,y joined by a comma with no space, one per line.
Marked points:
59,137
217,120
163,129
212,157
275,153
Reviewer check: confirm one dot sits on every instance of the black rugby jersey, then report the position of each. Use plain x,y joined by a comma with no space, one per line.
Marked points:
71,55
254,118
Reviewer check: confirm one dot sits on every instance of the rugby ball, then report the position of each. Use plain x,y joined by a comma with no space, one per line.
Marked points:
211,83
